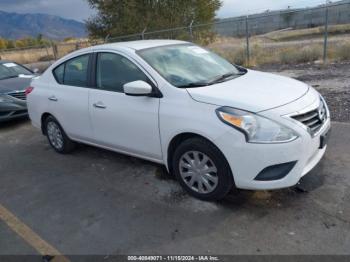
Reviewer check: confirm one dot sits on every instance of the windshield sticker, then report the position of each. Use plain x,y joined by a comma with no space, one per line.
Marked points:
198,50
10,64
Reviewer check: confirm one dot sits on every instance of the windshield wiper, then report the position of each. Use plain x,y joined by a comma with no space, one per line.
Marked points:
192,85
216,80
222,78
8,77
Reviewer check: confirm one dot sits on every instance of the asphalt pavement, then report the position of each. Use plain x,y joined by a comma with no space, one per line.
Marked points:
99,202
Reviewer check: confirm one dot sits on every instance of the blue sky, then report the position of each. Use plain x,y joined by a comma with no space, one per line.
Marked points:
79,9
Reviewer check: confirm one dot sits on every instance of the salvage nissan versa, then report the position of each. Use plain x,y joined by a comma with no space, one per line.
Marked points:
214,125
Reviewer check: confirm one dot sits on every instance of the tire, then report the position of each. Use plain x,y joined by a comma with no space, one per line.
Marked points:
202,169
57,137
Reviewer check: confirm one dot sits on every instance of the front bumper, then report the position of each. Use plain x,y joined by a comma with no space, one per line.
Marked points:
248,160
14,109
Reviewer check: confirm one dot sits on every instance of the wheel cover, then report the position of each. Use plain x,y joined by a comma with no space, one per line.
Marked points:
199,172
55,135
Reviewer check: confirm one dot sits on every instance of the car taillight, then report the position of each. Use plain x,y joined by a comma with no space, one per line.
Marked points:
28,90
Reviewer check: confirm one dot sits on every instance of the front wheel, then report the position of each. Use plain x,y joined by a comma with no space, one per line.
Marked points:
202,169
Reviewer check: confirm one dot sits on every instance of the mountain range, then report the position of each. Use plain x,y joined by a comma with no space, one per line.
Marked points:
16,26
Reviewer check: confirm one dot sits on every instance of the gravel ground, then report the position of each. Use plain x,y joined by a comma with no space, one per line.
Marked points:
332,81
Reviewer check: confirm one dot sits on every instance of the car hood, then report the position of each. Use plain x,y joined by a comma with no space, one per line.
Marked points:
15,84
255,91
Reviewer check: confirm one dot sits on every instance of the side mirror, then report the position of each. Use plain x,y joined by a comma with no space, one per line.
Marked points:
137,88
36,71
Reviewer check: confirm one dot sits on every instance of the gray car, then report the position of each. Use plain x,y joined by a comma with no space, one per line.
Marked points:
14,79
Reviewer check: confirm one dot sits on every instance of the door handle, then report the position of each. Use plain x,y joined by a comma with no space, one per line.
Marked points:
99,105
53,98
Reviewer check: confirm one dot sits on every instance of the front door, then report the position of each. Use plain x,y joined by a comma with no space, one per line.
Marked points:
125,123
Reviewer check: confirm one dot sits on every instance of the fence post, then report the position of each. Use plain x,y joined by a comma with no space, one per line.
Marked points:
106,38
325,44
47,51
143,33
54,50
247,40
191,30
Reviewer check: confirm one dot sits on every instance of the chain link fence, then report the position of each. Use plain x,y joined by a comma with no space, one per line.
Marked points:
289,36
43,53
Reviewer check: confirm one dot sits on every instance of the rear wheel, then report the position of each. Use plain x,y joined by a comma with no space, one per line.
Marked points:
202,170
57,137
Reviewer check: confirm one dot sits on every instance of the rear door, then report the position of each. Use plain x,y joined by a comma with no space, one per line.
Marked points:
125,123
69,97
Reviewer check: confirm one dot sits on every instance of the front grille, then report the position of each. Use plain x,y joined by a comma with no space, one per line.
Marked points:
313,119
19,95
5,113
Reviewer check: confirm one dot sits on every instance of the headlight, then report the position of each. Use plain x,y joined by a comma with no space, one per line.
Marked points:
4,99
326,106
257,129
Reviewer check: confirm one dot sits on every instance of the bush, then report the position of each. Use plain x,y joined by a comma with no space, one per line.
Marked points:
239,57
236,56
262,53
303,55
204,37
46,58
342,52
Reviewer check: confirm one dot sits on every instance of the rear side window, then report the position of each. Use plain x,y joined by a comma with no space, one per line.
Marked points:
76,71
59,73
73,72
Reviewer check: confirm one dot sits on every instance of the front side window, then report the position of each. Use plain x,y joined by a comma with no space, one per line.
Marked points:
73,72
187,65
113,71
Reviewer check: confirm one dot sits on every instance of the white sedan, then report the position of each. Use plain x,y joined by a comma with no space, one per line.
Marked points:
214,125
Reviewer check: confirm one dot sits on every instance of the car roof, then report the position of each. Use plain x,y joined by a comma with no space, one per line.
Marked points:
141,44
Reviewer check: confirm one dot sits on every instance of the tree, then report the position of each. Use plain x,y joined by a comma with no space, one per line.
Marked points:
39,39
20,43
3,43
10,44
122,17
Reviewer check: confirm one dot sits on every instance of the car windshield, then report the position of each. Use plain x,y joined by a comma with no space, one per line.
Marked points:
188,65
11,70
